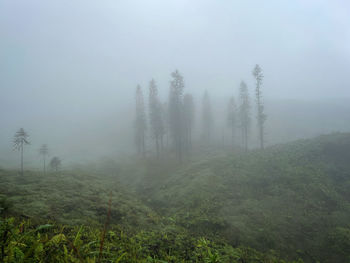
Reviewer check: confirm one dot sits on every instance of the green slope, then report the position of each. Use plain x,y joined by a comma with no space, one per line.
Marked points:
73,198
75,206
293,198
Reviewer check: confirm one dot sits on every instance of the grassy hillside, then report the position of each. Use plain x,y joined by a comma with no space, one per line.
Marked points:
292,199
61,217
72,198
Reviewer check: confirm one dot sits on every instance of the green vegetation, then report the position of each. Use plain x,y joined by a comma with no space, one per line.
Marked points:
289,201
56,243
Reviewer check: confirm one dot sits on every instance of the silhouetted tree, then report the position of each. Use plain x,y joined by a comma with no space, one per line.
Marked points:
44,151
207,117
55,163
20,139
232,118
261,116
244,113
140,122
156,119
188,120
176,112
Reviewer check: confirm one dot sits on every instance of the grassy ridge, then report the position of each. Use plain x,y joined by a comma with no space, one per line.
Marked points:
291,198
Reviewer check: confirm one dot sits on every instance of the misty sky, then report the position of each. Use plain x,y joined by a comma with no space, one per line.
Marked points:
64,60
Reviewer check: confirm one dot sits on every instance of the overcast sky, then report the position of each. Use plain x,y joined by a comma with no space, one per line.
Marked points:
64,59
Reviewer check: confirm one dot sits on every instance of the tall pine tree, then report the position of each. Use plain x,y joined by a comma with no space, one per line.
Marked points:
165,117
188,120
207,118
244,114
44,151
176,112
260,116
232,118
156,118
19,141
140,122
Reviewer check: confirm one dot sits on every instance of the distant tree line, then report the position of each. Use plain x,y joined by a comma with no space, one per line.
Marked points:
175,118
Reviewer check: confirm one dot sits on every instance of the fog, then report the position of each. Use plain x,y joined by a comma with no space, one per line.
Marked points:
174,131
69,69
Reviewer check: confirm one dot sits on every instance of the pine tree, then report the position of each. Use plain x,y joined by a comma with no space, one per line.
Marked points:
207,118
244,113
156,118
140,122
165,117
232,118
176,112
44,151
188,120
20,140
261,116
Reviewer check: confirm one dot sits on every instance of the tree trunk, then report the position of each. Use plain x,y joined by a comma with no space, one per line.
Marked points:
179,149
180,152
190,138
167,139
157,148
161,143
246,139
233,137
143,146
243,143
22,158
261,136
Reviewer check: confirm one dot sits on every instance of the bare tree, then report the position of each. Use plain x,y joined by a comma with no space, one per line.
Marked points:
140,122
261,116
232,118
20,140
55,163
188,120
176,112
44,151
244,113
156,120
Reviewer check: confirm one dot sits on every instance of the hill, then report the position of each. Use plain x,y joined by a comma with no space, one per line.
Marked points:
292,199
